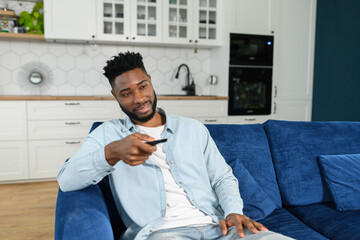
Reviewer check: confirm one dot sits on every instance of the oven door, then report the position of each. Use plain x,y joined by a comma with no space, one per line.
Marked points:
249,91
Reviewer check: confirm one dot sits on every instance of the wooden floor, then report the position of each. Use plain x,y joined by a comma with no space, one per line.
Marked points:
27,211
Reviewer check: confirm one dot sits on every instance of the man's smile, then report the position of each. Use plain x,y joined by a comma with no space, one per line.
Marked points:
144,108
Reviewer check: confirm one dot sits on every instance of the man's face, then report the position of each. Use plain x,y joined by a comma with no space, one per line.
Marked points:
134,92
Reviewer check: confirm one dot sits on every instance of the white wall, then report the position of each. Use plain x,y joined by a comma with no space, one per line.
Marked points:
76,69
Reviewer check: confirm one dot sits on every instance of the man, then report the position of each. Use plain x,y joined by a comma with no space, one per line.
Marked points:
181,189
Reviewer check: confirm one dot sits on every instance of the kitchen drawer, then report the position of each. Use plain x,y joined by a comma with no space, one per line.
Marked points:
13,160
195,108
59,129
46,110
247,119
213,120
12,120
46,157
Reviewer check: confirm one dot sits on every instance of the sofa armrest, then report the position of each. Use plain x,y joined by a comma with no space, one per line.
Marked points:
81,215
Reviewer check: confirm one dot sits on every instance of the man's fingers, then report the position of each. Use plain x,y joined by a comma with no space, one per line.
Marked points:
249,225
143,137
223,227
259,226
239,228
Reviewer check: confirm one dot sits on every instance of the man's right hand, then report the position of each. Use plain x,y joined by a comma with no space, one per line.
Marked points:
131,150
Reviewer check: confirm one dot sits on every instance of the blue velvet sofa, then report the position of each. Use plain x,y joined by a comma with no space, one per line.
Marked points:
300,179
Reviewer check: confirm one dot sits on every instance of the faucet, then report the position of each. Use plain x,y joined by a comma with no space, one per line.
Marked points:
189,88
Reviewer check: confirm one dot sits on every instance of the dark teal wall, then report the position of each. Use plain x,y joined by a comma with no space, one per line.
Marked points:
337,61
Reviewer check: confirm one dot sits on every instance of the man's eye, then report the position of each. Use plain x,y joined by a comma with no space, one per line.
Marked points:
127,94
143,86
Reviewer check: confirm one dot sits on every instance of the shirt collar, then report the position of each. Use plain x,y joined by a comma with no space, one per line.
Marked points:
129,125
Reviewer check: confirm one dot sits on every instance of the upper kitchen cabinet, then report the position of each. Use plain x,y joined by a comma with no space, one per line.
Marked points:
70,19
125,20
253,16
192,22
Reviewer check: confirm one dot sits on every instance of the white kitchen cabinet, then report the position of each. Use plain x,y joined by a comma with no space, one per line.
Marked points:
253,16
293,110
56,130
192,22
70,19
47,156
13,160
294,46
12,120
13,145
134,21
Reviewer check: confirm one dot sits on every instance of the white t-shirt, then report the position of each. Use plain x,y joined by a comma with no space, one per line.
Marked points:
180,211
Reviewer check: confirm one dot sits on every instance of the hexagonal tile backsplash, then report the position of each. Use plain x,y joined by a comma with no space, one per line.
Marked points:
76,69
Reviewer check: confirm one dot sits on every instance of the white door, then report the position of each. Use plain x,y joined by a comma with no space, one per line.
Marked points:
70,19
114,18
178,21
252,16
146,20
12,120
13,160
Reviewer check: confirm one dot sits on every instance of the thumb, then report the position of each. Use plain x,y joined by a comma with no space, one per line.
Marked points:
223,227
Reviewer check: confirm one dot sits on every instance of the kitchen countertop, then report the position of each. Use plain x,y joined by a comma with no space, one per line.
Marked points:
105,97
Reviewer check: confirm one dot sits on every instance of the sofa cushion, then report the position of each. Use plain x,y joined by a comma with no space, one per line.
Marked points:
282,221
249,144
331,223
257,205
295,147
342,175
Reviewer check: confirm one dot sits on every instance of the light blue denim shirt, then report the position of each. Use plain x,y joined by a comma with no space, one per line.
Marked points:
139,192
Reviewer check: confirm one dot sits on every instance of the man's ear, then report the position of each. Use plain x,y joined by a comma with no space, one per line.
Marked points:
113,93
149,78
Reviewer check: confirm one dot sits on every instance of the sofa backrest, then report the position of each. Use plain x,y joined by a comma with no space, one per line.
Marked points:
295,147
248,144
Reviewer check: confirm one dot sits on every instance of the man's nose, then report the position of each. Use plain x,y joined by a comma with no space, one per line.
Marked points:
138,97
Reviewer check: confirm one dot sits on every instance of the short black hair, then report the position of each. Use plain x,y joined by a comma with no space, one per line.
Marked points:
122,63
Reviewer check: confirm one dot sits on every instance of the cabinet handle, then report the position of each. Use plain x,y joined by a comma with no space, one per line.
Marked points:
190,41
196,41
72,123
127,37
72,142
250,119
72,103
210,120
274,107
275,92
133,38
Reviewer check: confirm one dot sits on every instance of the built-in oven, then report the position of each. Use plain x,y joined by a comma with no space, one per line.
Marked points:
250,91
250,74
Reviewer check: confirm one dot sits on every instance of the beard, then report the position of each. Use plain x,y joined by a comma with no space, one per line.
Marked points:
132,115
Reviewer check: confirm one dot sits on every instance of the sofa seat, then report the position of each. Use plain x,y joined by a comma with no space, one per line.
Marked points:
282,221
329,222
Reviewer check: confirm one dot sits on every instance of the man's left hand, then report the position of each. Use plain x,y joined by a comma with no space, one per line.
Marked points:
239,221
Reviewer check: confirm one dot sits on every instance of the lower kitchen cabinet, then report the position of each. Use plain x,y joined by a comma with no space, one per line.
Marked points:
293,110
13,160
47,156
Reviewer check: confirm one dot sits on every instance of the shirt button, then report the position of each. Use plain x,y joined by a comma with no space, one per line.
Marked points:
180,183
94,181
171,162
